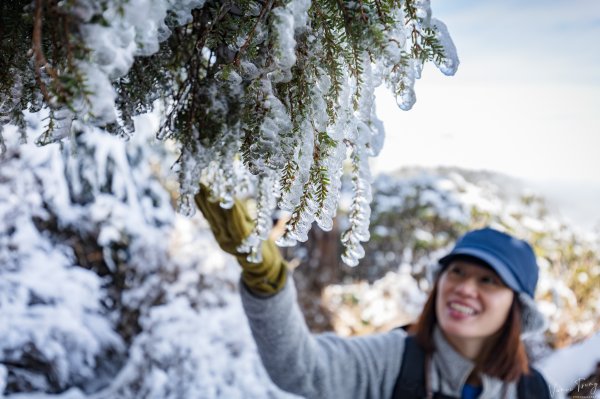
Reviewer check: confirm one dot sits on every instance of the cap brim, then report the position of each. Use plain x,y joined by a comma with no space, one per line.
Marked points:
495,263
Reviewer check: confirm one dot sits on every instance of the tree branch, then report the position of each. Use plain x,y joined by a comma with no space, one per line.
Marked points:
266,7
36,46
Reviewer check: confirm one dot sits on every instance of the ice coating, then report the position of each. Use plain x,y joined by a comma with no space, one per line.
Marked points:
450,63
264,143
336,156
303,158
423,11
291,18
285,44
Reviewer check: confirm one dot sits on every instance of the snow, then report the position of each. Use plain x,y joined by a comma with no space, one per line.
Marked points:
48,306
392,301
64,314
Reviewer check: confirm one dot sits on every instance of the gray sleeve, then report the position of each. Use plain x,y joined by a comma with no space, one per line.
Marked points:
320,366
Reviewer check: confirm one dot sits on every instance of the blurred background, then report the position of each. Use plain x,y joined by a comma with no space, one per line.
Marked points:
525,101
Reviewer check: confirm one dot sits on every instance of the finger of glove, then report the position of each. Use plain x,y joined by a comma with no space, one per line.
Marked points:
271,257
213,214
236,220
218,221
241,224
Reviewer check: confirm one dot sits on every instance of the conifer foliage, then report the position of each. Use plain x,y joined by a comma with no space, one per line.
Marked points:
267,94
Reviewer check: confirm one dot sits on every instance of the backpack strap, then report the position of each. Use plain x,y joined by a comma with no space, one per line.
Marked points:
533,386
410,383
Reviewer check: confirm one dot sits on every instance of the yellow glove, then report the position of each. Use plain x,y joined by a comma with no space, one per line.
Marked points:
230,227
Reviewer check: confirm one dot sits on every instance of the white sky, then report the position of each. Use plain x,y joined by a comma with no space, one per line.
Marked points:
525,100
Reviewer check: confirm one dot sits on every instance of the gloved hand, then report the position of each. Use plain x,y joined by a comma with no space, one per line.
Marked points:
230,227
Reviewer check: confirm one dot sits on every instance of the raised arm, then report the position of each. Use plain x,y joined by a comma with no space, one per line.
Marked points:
313,366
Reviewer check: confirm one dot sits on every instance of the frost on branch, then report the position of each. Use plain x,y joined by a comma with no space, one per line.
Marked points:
270,97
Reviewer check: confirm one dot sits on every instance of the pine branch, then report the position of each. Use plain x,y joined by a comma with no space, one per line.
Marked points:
267,5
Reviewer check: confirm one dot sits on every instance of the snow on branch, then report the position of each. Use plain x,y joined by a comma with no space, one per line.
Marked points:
284,86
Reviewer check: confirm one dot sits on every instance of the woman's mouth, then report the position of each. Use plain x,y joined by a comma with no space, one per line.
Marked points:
460,310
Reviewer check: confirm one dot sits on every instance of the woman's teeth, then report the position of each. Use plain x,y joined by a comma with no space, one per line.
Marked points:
462,308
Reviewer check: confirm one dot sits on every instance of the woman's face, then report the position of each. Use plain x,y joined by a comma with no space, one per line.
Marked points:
472,303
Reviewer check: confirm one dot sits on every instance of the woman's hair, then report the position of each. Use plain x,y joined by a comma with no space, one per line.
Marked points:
505,358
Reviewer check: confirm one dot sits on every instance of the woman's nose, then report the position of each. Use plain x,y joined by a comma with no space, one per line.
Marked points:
467,287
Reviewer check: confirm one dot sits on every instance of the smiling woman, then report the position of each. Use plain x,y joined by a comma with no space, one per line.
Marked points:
472,305
481,305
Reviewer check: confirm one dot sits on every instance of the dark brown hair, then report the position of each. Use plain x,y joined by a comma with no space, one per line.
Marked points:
505,358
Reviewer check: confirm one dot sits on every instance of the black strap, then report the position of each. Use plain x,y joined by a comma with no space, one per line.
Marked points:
533,386
410,383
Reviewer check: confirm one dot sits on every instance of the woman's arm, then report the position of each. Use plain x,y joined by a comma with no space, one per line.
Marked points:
325,365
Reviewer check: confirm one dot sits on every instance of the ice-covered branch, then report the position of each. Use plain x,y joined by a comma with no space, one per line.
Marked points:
278,85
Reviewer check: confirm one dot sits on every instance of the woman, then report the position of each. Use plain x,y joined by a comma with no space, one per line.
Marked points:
466,344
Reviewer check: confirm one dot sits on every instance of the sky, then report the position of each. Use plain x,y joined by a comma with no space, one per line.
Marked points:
525,100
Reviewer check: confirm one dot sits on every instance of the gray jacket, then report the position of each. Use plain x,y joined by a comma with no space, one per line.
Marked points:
327,366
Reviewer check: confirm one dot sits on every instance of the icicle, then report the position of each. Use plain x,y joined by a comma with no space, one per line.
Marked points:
299,9
183,9
283,45
360,210
172,108
303,154
3,148
60,123
190,167
423,11
265,152
223,176
10,110
405,85
265,206
300,200
449,64
287,20
366,110
333,157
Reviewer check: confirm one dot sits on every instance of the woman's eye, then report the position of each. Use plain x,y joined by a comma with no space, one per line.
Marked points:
489,280
456,271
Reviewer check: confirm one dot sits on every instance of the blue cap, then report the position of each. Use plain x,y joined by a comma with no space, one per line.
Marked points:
511,258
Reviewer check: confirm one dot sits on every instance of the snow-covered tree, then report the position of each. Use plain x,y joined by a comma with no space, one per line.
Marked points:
281,89
83,254
106,292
